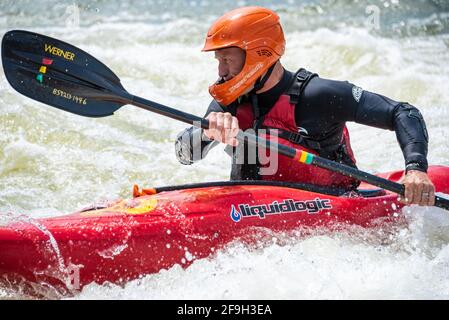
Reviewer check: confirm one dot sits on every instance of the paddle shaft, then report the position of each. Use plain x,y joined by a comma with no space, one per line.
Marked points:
299,155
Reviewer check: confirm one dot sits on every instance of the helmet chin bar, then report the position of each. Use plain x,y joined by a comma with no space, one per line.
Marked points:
256,86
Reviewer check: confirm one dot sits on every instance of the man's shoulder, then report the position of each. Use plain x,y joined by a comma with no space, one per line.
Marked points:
319,87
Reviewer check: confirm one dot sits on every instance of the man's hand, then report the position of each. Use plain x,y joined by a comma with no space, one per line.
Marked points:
418,189
223,127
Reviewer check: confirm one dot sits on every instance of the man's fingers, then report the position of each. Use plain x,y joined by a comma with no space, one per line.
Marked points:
233,142
425,194
220,121
235,129
417,193
432,195
428,196
215,126
408,194
212,118
223,127
227,122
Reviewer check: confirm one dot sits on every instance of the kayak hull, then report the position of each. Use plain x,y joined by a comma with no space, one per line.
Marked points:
144,235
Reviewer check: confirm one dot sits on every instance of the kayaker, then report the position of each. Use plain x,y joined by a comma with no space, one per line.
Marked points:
300,109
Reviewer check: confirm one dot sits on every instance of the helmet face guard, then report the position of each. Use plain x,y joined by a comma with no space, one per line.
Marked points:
253,29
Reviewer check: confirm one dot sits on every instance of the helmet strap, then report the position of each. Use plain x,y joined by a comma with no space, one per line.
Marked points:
261,81
253,96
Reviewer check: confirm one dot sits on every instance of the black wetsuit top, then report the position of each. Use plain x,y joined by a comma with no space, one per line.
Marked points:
322,111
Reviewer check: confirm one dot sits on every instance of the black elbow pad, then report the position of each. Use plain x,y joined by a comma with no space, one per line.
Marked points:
409,124
412,135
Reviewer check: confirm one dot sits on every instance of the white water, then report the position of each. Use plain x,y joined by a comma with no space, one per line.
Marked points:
52,162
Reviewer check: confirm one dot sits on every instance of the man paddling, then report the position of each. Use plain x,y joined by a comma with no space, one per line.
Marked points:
298,109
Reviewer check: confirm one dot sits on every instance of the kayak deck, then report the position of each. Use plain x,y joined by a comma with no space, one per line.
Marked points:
143,235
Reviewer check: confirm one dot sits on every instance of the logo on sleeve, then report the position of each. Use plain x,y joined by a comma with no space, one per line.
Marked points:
357,93
303,131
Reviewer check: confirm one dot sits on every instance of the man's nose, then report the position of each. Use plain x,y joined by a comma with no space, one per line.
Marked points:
223,70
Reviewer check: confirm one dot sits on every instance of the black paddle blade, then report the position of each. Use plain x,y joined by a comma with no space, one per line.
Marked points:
61,75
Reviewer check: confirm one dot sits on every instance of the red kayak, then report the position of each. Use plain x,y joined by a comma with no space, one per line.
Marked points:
176,225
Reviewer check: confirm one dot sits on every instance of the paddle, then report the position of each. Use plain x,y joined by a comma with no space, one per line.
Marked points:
63,76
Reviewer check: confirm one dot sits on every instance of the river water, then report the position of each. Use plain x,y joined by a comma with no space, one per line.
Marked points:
53,162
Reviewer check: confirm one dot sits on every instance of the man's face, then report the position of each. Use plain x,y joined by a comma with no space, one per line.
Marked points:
230,62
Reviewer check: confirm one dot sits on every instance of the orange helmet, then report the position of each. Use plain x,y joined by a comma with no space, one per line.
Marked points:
257,31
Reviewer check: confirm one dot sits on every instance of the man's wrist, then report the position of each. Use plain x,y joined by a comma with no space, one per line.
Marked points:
415,166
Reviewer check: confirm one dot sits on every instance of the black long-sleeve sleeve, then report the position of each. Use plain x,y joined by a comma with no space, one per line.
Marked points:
327,104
